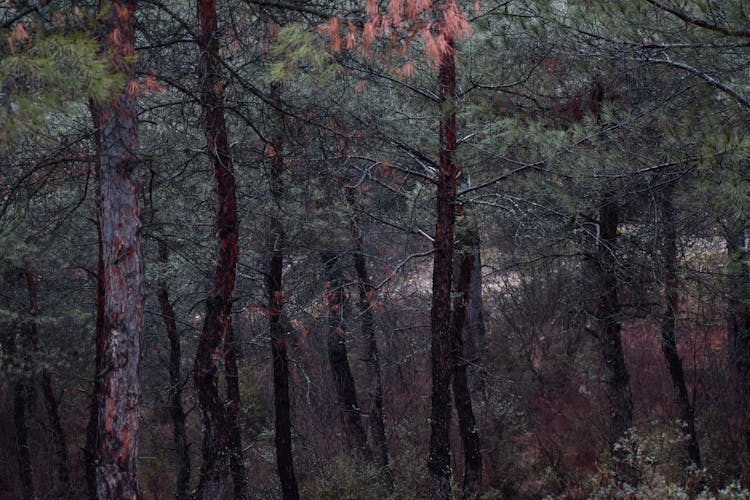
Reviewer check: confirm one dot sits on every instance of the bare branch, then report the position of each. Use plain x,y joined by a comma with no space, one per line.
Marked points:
718,84
699,22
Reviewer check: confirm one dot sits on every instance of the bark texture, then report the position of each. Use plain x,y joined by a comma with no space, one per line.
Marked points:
279,355
616,379
669,323
441,353
122,266
218,317
176,411
346,393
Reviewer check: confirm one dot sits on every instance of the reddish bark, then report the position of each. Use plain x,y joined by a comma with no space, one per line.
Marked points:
279,356
176,410
218,321
441,351
337,355
122,271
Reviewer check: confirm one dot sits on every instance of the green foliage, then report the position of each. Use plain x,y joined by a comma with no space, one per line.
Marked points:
655,452
346,477
48,77
301,58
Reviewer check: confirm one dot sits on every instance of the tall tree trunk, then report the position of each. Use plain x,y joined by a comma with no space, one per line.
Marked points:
21,390
475,331
279,356
461,392
218,319
616,379
119,173
738,322
669,322
337,354
234,445
441,350
372,359
176,410
20,403
59,442
90,447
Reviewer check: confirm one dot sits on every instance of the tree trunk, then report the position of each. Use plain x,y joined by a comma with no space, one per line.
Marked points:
21,390
441,350
279,356
175,386
90,447
738,322
337,354
218,319
50,401
668,326
616,379
372,359
119,173
475,332
20,402
461,392
234,448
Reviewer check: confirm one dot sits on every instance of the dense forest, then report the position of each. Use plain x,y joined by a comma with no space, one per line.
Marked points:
374,249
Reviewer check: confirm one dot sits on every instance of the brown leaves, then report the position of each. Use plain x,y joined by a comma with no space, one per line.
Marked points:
372,9
273,30
132,87
18,35
332,31
151,85
368,33
122,12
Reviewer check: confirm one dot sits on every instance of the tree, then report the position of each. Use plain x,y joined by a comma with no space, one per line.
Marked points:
609,331
371,355
277,337
219,432
122,266
669,320
346,392
51,402
175,383
468,235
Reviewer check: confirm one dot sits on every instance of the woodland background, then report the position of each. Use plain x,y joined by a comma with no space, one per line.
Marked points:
259,249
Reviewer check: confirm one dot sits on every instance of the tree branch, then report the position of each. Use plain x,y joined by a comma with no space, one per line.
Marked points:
699,22
744,101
